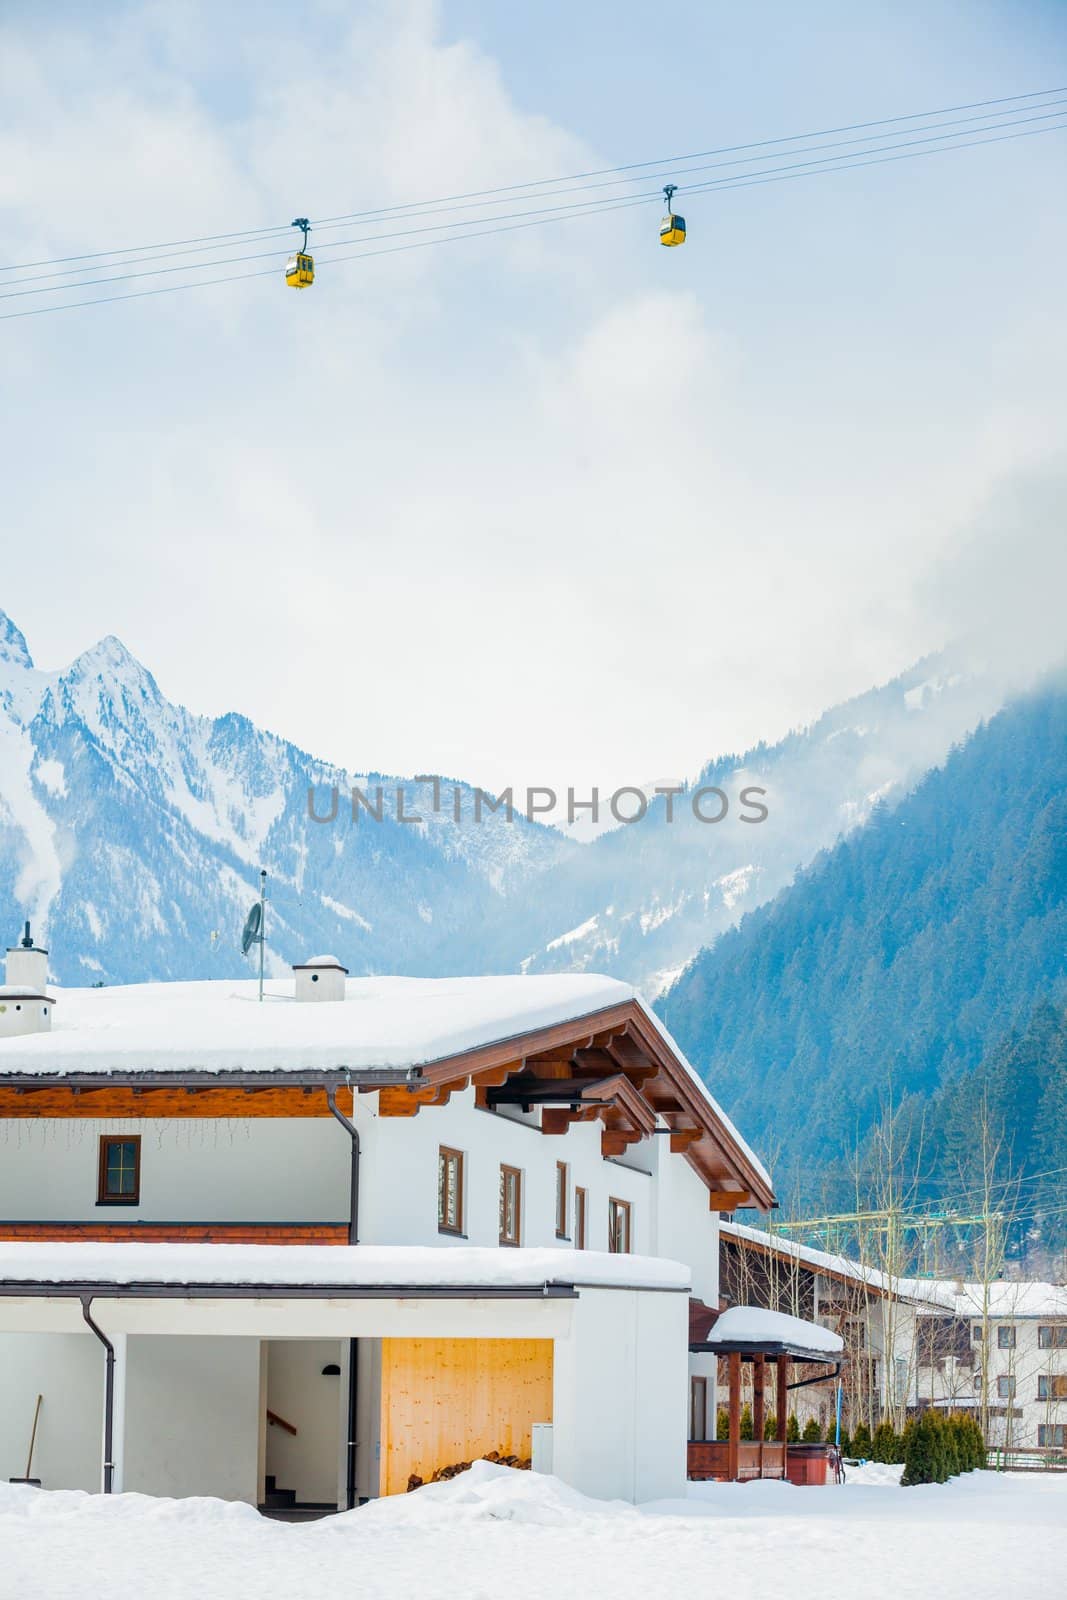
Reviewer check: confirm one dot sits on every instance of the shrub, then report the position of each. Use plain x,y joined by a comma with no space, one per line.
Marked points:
861,1441
792,1429
937,1446
746,1421
924,1459
770,1426
722,1423
886,1444
812,1433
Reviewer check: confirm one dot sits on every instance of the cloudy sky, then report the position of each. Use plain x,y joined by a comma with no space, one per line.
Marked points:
559,506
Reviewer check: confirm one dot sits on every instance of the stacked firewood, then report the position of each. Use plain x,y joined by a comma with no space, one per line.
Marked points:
453,1470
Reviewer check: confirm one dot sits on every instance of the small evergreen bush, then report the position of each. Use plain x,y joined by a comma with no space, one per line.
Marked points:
812,1433
746,1421
770,1426
722,1423
792,1429
861,1441
886,1444
937,1447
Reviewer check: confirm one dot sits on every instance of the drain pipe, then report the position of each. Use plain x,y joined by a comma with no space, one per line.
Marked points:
353,1344
109,1392
353,1187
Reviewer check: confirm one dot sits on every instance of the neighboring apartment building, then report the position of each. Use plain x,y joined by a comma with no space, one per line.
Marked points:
533,1173
1000,1349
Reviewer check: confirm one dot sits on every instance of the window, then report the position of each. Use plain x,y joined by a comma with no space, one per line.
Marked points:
119,1182
1052,1435
579,1218
1006,1338
561,1199
449,1190
698,1408
510,1205
619,1219
1006,1388
1051,1388
1053,1337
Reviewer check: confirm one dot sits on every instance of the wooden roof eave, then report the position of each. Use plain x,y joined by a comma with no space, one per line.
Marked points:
731,1176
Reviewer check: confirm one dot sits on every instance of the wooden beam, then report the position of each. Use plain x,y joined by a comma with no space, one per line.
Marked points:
727,1199
399,1101
759,1410
782,1374
102,1104
733,1455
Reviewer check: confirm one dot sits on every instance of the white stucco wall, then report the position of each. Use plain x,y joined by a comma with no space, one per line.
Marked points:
286,1169
68,1370
192,1416
620,1396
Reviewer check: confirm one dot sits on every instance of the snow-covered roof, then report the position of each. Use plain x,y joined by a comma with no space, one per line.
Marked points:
344,1266
1003,1299
753,1325
218,1026
838,1265
381,1025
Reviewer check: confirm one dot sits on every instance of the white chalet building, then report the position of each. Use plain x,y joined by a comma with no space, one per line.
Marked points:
313,1249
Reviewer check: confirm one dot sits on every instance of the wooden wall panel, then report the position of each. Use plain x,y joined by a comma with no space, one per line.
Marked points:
181,1232
104,1104
449,1400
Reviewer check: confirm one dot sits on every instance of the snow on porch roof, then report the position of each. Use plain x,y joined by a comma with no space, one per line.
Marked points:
751,1326
346,1268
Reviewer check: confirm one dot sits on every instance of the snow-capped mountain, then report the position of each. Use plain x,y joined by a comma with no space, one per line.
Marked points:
132,832
640,901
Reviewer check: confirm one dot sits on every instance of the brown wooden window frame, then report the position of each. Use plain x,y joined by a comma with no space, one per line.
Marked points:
1006,1387
698,1409
1052,1336
563,1178
1006,1336
510,1175
1052,1436
1052,1386
620,1209
581,1212
446,1154
103,1198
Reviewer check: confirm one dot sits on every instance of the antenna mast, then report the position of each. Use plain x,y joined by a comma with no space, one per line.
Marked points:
262,924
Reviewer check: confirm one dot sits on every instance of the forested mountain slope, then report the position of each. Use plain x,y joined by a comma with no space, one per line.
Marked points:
900,961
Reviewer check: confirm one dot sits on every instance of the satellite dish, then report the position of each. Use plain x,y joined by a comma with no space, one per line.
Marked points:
252,933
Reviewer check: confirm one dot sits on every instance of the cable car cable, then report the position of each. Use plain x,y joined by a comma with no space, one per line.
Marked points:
591,208
74,272
280,230
833,163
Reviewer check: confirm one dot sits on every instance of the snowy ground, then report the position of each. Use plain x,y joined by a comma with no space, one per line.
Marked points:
493,1533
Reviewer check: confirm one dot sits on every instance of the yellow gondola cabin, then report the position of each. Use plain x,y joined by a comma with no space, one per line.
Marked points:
300,271
672,228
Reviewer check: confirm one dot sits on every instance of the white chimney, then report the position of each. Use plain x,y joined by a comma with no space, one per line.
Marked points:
25,1007
321,978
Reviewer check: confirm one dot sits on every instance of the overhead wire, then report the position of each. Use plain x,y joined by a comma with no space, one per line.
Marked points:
674,172
539,183
481,227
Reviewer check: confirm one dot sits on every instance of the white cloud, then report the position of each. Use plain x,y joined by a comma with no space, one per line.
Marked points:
550,507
